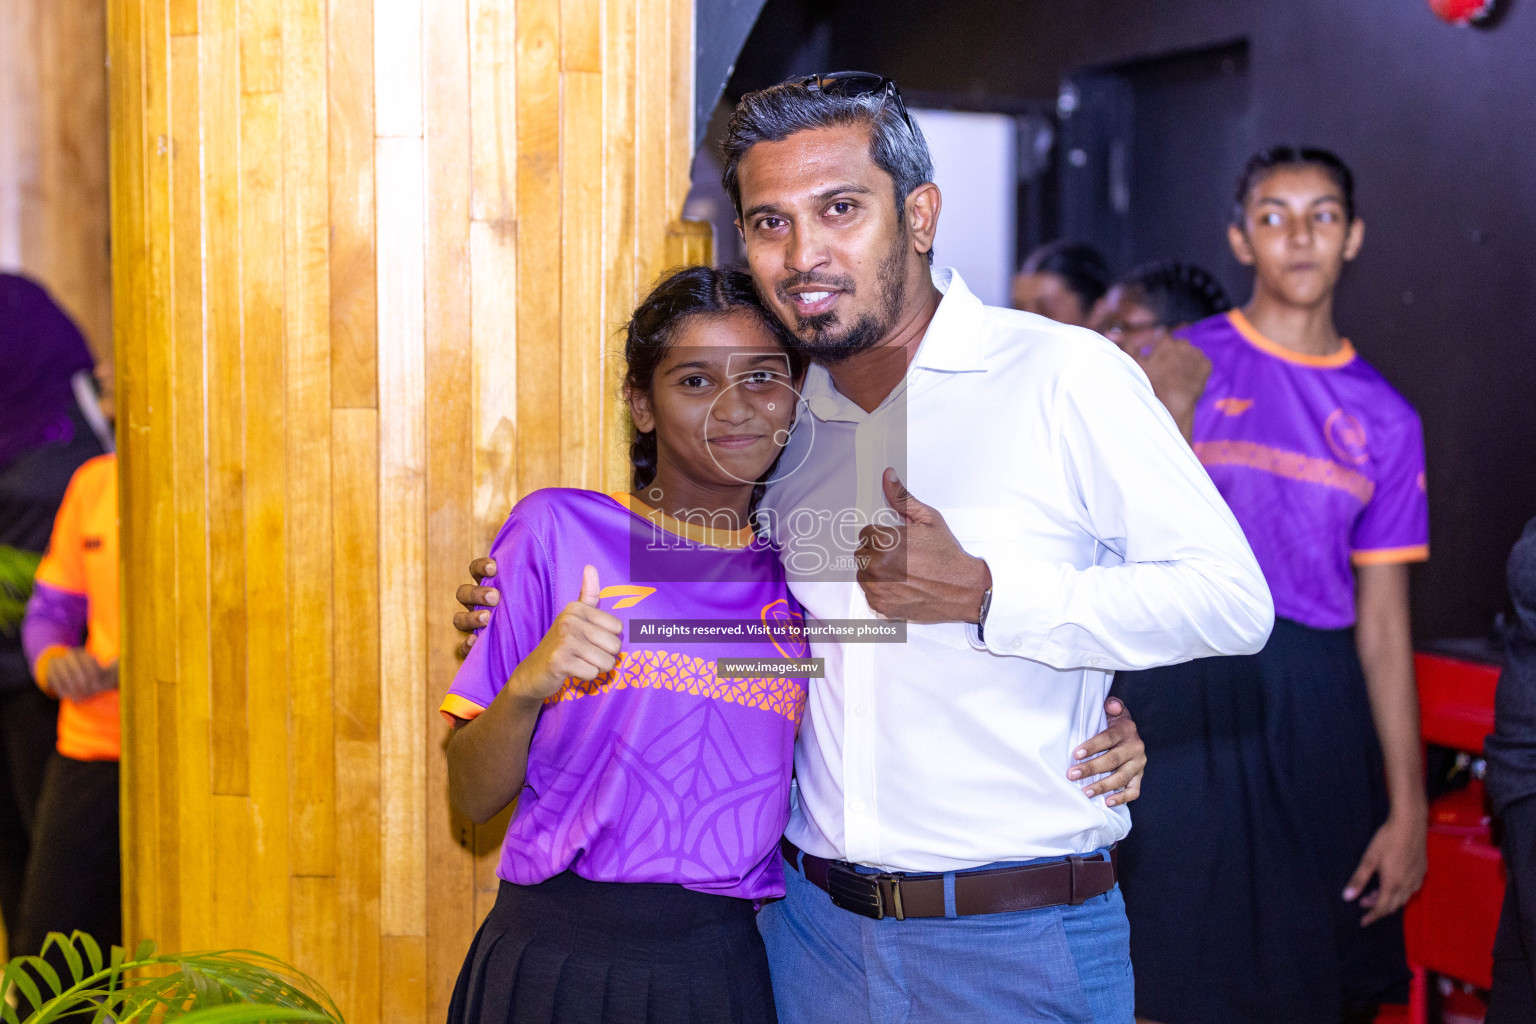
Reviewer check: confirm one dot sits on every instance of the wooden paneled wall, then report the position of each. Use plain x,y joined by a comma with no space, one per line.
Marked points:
369,256
53,155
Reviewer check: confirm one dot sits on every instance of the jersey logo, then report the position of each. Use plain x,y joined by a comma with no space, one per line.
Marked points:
788,625
1234,406
1346,437
629,595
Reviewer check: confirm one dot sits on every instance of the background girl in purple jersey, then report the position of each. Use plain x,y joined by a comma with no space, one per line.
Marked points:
651,792
1285,806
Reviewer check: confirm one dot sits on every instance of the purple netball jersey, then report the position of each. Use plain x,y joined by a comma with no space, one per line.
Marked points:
658,770
1320,459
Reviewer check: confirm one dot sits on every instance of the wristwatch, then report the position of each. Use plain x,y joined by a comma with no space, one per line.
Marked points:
981,616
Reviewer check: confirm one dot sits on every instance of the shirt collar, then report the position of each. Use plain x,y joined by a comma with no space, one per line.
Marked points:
952,344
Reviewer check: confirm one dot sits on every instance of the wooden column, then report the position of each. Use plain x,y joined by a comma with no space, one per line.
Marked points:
53,155
369,258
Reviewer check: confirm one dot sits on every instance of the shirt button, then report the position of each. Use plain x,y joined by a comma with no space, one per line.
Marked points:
1017,644
858,711
1095,661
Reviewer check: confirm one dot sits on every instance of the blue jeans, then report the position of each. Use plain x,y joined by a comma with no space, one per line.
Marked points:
1062,964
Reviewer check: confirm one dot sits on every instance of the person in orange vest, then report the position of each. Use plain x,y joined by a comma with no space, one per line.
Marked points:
71,637
50,423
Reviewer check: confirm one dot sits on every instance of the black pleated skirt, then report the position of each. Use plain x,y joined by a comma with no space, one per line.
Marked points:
572,951
1264,786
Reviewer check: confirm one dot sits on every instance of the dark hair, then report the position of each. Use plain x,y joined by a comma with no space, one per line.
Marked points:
1275,157
896,143
1080,265
681,295
1176,293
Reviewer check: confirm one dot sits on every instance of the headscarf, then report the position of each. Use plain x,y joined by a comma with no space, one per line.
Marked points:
40,350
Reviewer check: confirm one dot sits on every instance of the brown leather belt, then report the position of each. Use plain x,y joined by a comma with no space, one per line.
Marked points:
1066,882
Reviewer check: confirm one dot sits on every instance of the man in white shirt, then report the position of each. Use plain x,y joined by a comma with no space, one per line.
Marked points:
940,866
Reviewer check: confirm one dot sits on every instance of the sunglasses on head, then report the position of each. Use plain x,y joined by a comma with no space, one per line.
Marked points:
858,83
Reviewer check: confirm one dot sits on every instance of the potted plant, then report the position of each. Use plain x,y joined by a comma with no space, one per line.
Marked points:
232,986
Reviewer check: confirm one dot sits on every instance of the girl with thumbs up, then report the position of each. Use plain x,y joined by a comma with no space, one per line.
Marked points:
651,790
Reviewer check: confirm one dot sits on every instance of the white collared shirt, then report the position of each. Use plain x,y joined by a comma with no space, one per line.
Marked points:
1048,455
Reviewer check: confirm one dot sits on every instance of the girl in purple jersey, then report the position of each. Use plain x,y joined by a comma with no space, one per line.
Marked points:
651,790
1284,825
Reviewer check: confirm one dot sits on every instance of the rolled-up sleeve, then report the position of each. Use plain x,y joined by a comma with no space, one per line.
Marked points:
54,623
1176,580
58,610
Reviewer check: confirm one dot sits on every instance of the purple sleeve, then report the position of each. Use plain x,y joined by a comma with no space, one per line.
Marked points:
1394,526
55,618
517,624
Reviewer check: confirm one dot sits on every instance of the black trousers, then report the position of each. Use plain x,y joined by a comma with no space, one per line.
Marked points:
1513,999
28,726
74,876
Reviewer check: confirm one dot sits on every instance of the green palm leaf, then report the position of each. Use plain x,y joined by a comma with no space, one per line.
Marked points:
250,1014
232,986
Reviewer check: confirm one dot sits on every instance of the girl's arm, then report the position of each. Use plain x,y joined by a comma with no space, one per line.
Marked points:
1382,635
488,755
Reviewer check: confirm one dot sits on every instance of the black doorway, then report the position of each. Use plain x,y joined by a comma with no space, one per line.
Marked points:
1150,154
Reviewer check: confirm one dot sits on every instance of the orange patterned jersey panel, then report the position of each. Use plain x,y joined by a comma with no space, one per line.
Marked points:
682,673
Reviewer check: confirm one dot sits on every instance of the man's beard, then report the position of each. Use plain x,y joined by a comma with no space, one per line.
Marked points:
819,338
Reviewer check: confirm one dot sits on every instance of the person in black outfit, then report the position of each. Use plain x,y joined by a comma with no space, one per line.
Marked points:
1511,753
49,425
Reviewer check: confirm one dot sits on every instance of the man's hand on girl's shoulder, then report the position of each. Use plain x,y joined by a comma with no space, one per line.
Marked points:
477,601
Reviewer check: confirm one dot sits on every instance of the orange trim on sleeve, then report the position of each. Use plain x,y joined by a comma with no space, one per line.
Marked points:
1343,357
456,709
40,669
1391,556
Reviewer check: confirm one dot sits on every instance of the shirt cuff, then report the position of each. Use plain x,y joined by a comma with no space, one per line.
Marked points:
1390,556
1023,599
456,709
40,666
